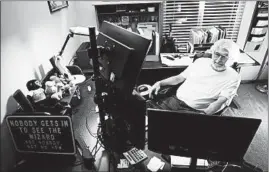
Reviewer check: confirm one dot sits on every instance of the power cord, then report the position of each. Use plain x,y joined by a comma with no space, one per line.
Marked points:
87,126
224,167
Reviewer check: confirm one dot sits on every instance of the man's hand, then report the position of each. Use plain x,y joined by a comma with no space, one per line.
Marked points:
215,106
154,89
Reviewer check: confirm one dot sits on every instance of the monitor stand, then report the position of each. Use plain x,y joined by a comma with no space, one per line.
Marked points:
193,163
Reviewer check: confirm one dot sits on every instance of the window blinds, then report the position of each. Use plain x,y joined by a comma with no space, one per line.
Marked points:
186,15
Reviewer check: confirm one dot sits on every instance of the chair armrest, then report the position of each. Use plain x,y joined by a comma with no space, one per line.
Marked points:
167,91
75,70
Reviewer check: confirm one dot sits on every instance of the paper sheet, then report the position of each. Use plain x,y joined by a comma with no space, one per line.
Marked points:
155,164
179,160
186,161
183,61
202,162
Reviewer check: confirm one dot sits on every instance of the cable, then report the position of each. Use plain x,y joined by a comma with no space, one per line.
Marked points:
95,146
97,150
72,59
92,134
78,163
211,165
224,167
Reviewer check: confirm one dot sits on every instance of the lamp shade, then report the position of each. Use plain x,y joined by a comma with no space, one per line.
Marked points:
80,30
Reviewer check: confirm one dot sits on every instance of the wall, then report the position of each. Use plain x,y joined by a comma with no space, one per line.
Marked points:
250,73
86,16
30,35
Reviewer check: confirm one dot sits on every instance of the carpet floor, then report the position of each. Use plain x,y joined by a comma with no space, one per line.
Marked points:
252,104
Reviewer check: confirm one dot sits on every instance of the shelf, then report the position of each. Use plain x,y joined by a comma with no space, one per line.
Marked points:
130,13
262,18
125,3
256,35
260,26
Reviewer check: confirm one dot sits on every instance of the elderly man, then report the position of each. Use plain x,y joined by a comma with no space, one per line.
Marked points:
208,84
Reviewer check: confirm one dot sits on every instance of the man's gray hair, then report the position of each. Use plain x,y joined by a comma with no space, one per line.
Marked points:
224,44
230,46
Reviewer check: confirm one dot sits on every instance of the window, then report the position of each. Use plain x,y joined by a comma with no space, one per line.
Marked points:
185,15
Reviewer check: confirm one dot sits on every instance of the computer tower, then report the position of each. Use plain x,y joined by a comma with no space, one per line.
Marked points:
82,59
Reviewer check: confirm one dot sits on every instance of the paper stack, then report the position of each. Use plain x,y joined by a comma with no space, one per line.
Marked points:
183,61
155,164
124,163
184,162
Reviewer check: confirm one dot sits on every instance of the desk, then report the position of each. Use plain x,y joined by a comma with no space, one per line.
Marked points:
155,69
246,60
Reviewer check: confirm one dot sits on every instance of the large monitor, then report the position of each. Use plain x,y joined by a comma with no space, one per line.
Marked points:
120,60
113,63
140,44
188,134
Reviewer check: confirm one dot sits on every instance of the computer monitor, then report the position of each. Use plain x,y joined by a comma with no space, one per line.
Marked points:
140,44
188,134
113,63
119,68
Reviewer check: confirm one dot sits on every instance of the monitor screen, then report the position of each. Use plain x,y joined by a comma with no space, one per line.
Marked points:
112,63
140,44
184,133
117,71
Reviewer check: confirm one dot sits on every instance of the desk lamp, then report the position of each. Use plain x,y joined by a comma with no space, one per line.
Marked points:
56,62
81,31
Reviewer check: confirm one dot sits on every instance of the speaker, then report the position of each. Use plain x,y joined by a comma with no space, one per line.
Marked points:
23,101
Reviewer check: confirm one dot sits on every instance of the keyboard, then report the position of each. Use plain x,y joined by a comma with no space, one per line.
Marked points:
135,155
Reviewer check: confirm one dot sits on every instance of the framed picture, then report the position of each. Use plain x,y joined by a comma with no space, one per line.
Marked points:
57,5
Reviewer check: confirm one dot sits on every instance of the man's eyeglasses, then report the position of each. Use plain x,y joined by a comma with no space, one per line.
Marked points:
220,55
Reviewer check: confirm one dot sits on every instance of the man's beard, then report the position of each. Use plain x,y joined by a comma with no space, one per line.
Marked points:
218,68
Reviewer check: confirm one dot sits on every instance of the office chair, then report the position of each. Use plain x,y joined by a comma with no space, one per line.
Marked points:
25,104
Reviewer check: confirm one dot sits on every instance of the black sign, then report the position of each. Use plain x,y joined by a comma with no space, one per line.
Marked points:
42,134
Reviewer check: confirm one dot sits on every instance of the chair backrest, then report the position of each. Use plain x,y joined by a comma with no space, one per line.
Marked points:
25,104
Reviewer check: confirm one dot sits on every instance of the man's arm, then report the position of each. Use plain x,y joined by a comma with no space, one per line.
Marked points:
215,106
173,80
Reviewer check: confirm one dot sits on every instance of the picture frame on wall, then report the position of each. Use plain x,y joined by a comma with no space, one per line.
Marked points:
57,5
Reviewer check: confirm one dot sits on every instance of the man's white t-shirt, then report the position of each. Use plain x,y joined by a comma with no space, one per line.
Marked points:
204,85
